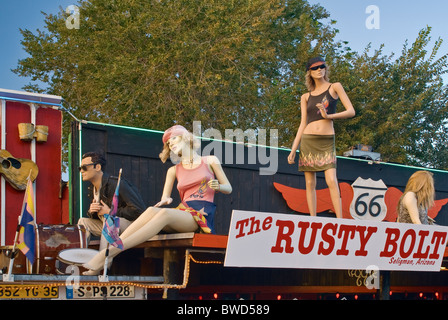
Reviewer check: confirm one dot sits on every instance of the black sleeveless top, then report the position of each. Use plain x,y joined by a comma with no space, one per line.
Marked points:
313,113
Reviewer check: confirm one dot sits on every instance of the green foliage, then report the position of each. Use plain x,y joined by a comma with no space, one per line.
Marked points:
152,63
401,104
236,64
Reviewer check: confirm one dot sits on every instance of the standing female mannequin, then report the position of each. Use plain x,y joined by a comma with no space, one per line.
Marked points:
316,132
196,184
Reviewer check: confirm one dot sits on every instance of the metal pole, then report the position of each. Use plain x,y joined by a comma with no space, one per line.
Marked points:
385,285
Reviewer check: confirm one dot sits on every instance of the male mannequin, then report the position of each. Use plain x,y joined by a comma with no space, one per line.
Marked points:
101,191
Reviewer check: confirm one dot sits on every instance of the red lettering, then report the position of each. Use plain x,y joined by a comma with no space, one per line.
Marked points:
254,226
254,223
304,226
241,224
347,231
364,239
327,238
409,232
267,223
437,238
391,241
419,254
282,236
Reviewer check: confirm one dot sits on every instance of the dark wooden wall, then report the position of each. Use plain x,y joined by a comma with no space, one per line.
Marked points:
136,152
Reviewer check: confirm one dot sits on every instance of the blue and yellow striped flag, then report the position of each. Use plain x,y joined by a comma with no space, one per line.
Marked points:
27,235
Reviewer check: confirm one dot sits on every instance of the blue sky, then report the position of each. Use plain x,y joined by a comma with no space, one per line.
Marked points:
23,14
398,20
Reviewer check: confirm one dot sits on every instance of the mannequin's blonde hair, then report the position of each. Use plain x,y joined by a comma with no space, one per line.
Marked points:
309,81
188,138
422,184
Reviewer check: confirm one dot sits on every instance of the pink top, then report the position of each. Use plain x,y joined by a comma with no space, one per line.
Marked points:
192,183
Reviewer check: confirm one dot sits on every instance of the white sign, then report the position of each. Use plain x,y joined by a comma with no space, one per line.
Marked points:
273,240
368,199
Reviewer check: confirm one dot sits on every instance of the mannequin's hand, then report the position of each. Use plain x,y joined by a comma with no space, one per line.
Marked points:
164,202
291,157
214,184
322,110
104,209
95,207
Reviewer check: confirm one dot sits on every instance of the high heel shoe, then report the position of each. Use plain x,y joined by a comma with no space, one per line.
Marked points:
95,265
91,272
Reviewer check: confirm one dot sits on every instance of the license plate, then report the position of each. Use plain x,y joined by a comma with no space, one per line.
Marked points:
28,292
92,292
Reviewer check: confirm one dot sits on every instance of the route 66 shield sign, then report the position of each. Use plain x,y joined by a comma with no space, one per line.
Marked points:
368,200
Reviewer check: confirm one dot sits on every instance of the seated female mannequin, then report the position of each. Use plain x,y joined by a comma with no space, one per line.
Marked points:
199,178
417,199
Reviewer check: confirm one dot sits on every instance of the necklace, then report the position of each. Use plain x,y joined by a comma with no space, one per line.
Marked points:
191,161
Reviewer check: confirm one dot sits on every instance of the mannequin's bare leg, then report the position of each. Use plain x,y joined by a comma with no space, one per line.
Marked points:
333,186
144,229
310,182
144,218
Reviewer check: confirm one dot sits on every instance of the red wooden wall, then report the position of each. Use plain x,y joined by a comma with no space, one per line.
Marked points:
50,207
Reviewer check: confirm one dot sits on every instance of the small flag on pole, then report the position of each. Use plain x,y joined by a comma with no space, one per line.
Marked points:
27,237
112,222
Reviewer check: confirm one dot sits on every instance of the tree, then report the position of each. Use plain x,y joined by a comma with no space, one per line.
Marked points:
236,64
401,104
154,63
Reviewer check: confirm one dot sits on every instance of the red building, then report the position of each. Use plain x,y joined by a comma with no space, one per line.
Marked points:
31,129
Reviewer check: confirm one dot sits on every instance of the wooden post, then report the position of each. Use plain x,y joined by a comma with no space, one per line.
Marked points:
384,285
171,271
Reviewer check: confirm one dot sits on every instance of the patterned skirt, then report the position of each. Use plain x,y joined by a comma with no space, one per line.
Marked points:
203,213
317,152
